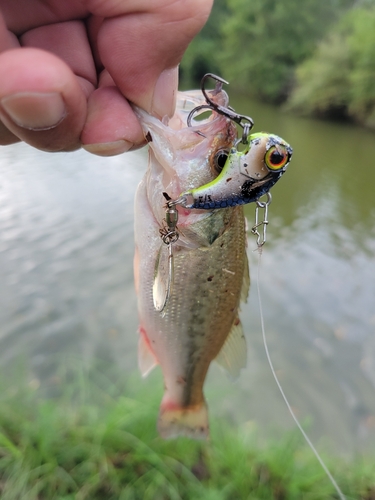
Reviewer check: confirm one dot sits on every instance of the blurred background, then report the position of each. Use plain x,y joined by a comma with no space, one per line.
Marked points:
66,230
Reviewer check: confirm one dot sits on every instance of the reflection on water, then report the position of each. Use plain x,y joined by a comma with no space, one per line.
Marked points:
66,245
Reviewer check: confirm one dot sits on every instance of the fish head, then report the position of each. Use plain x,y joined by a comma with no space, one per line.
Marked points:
183,157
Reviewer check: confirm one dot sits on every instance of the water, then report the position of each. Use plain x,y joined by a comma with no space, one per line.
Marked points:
66,245
66,256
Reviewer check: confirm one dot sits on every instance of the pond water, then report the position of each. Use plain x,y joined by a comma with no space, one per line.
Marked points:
66,245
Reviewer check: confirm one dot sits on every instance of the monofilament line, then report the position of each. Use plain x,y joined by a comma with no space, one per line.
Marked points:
320,460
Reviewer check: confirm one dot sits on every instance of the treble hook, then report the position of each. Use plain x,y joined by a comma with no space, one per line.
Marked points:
245,122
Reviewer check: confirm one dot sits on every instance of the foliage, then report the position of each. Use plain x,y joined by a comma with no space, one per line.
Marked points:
321,58
90,442
323,80
202,55
340,75
264,40
360,26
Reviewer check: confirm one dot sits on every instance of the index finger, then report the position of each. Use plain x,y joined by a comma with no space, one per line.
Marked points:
141,42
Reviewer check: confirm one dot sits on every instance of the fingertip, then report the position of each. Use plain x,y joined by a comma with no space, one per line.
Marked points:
142,50
6,136
41,100
163,101
34,110
108,148
111,126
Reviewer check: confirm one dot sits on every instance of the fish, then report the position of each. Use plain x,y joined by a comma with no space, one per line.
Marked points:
200,321
191,268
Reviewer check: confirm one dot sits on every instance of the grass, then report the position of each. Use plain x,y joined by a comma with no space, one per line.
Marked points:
96,439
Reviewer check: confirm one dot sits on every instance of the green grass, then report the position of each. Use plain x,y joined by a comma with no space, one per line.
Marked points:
97,439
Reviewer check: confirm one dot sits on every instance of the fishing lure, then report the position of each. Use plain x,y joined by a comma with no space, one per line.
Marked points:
246,175
163,276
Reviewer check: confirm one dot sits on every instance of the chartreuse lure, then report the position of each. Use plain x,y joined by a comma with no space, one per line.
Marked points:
244,176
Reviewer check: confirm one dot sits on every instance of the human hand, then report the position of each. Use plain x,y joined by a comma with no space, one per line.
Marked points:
69,69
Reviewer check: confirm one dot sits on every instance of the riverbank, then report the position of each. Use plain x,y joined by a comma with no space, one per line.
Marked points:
96,439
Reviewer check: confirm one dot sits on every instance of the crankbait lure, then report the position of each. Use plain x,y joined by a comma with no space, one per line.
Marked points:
246,176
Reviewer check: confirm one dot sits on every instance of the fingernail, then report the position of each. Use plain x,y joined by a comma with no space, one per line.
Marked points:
108,148
164,98
34,110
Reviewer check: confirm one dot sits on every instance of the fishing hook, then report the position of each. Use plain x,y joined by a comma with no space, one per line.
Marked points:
245,122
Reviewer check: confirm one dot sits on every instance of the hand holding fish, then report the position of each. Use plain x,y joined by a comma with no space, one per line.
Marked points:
69,69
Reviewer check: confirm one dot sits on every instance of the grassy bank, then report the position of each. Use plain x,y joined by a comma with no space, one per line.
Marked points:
96,439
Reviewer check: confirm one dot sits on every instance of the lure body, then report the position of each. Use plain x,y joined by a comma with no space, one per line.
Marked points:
246,176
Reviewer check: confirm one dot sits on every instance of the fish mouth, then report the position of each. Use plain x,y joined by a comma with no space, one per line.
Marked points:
182,156
187,102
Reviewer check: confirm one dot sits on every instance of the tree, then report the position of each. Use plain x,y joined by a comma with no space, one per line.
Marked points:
264,40
360,28
202,55
340,76
323,80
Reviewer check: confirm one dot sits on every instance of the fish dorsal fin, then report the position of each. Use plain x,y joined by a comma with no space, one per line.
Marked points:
245,281
233,354
146,359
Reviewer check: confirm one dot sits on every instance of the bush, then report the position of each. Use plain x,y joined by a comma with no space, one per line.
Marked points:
339,79
264,40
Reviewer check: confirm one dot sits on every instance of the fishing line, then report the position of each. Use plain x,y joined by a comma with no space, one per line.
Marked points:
306,437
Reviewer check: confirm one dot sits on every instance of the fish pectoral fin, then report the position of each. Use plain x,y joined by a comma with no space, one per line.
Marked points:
146,358
245,281
233,354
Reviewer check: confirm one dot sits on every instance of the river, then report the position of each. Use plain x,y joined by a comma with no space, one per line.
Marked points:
66,245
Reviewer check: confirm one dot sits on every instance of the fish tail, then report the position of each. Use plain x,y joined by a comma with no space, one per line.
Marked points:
190,421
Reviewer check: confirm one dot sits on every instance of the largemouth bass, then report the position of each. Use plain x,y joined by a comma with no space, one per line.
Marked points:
186,325
200,320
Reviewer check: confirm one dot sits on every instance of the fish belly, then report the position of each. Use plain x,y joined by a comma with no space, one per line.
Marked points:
199,315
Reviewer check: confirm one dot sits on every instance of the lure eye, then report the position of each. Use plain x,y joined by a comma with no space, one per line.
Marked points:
220,159
276,157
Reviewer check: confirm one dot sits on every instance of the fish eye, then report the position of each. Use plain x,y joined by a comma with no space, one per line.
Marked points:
220,159
276,157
